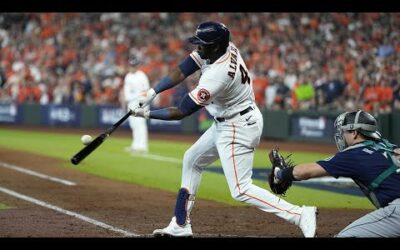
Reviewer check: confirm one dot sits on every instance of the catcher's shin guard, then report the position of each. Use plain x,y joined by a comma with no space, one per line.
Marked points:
184,204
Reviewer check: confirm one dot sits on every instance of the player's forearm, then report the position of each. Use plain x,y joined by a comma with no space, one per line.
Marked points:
171,113
307,171
301,172
186,108
170,81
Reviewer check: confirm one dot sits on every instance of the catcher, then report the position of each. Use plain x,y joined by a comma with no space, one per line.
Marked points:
371,161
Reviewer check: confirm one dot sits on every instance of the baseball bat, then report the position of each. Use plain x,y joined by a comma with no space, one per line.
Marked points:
88,149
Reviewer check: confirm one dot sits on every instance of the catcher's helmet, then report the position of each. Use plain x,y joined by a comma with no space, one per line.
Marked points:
361,121
210,33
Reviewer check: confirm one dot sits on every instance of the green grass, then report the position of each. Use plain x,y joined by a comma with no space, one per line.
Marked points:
4,206
110,160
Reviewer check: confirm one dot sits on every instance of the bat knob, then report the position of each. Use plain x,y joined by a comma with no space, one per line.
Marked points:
74,160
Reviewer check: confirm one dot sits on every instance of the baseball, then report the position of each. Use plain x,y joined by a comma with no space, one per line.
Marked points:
86,139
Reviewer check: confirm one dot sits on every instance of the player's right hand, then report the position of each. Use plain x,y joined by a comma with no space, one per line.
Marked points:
146,97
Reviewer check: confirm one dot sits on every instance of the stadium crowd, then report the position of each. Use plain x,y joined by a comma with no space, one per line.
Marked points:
306,61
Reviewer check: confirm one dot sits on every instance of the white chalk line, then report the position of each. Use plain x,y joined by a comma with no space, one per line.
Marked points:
158,157
37,174
73,214
332,180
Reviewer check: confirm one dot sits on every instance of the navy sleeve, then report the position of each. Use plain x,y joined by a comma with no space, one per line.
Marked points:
188,106
342,164
188,66
164,84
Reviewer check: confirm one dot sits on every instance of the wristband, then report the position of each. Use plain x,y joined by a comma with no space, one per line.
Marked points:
286,174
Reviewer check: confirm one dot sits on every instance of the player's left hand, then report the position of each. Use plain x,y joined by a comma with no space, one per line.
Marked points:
140,112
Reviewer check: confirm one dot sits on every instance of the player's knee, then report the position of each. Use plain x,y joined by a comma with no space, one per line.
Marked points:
238,195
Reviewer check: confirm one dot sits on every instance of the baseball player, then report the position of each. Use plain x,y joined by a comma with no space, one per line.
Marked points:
225,90
372,162
136,82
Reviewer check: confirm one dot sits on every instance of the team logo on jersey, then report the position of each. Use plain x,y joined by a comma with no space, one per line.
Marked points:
203,95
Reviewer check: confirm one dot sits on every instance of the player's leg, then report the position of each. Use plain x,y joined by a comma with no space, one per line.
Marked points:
383,222
200,155
236,142
140,139
196,159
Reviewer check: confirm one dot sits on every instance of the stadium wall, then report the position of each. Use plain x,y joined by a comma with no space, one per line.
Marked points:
306,126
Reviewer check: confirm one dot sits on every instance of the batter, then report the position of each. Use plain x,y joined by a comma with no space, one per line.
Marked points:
225,90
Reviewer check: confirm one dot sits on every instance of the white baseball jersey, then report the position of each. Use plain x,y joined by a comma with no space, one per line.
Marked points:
225,87
134,84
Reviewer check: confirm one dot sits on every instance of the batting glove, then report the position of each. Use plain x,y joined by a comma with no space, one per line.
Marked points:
140,112
146,97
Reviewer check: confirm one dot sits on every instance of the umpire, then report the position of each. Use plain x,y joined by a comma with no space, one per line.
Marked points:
372,162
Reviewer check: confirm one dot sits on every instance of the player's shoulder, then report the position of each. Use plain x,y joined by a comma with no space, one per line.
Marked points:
141,73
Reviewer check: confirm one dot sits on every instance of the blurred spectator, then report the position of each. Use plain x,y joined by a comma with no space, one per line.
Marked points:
270,91
332,90
259,86
396,93
303,95
370,96
3,78
385,95
282,96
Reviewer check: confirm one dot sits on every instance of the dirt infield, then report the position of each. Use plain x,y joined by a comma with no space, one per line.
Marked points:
129,207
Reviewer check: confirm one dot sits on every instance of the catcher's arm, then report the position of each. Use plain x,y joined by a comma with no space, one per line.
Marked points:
284,173
307,171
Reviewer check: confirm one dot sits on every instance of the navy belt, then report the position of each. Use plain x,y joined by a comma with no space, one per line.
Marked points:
243,112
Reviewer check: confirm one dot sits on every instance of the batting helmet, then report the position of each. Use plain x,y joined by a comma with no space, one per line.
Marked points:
361,121
210,33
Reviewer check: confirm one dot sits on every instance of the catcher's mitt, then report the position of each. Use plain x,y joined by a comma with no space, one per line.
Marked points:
278,162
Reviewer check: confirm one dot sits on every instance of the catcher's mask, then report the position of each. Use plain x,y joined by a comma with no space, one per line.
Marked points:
360,121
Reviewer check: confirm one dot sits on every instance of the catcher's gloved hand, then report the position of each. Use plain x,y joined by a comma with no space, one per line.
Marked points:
277,185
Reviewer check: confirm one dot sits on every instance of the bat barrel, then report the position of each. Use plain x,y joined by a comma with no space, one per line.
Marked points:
97,141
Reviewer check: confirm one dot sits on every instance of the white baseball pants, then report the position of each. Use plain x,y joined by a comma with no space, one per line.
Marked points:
233,142
140,140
